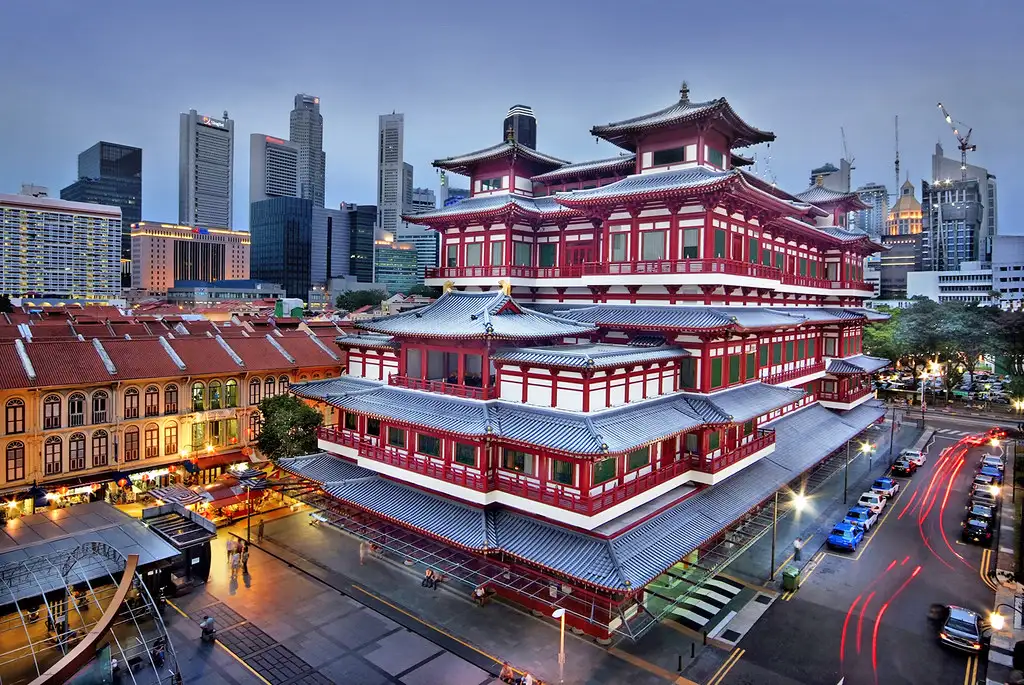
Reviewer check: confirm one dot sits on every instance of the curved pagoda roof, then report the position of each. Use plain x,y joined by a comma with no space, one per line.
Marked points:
464,164
626,132
622,163
588,356
497,207
828,198
684,319
493,315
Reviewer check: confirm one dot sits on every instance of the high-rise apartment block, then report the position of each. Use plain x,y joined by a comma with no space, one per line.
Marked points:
394,176
111,174
422,200
205,170
362,232
872,220
273,168
331,245
307,131
163,254
520,126
395,266
59,248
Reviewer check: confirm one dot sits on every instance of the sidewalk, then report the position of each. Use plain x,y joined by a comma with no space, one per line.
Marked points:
1000,654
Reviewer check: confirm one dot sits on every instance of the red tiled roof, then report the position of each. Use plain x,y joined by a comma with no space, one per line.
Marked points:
306,352
200,328
144,358
66,363
88,328
134,329
204,355
12,371
258,354
52,330
9,331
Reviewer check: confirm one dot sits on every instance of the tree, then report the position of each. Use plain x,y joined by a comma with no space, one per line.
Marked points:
289,427
5,305
1009,341
882,340
425,291
352,300
970,331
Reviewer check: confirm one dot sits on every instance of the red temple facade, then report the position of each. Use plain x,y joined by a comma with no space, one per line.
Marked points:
630,354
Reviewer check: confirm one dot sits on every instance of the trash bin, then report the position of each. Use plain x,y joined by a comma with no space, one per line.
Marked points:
791,578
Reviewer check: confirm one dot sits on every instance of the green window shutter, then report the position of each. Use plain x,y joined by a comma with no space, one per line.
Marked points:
604,470
751,366
716,372
766,257
719,242
789,351
800,349
638,458
814,269
810,347
779,260
753,245
803,266
714,440
776,353
764,355
734,368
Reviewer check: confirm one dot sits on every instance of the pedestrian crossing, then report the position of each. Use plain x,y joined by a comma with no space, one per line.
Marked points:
949,432
706,602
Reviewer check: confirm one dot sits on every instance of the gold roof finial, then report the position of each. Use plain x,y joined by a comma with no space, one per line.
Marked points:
819,181
506,287
684,92
448,286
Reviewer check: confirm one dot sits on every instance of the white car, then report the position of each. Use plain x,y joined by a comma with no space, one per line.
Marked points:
872,501
916,456
993,460
886,487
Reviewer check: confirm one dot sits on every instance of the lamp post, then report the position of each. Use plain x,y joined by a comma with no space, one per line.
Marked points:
846,472
997,620
560,615
799,502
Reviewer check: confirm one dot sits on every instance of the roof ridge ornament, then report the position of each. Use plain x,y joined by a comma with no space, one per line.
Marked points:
506,287
684,92
447,287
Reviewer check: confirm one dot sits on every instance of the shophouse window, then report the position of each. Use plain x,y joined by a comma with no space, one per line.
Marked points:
604,470
522,254
99,407
15,461
131,403
170,439
171,399
53,451
719,243
563,472
14,419
151,401
255,425
351,421
373,427
269,386
100,448
283,383
673,155
131,444
691,243
652,245
231,394
152,441
198,435
198,397
546,254
428,444
396,437
638,458
215,395
620,242
51,412
465,454
76,452
76,410
474,254
255,388
515,460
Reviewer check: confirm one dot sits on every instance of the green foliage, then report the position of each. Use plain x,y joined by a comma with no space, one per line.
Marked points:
881,339
289,427
425,291
352,300
1015,389
5,305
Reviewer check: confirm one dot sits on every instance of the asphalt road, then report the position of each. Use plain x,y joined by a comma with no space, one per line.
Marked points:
861,616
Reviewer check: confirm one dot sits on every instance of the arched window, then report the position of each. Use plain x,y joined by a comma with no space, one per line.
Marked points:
131,403
100,448
51,412
198,396
15,461
152,438
283,383
76,452
255,425
14,421
152,401
231,394
131,443
170,439
215,397
269,387
303,378
316,376
76,410
171,399
254,392
52,455
99,407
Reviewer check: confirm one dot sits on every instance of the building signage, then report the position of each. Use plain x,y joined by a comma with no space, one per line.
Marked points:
212,123
201,231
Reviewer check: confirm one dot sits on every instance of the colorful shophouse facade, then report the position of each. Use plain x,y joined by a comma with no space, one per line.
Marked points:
630,354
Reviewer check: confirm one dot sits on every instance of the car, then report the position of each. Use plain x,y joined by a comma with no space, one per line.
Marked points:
976,530
961,629
872,501
993,460
982,482
904,467
985,498
992,472
916,456
861,516
845,536
887,487
981,511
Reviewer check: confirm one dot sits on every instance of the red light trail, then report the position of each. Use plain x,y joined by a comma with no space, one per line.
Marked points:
878,621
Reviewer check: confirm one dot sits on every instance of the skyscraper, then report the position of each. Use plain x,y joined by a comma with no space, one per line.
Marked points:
872,220
307,131
422,200
164,254
273,168
521,124
903,237
832,177
331,250
395,266
282,239
362,228
393,174
959,216
205,170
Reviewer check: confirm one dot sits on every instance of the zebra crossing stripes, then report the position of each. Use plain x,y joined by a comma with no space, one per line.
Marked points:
950,432
706,602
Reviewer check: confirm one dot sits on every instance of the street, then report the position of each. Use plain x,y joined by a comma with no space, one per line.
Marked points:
862,615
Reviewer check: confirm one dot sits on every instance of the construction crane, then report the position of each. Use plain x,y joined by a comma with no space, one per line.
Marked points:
896,188
963,140
846,153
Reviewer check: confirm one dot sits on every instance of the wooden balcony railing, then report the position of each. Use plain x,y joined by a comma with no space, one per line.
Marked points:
765,437
845,396
681,266
783,376
453,389
809,281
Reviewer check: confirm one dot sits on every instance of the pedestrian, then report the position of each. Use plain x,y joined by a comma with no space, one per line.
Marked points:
507,675
362,553
236,562
428,579
798,545
259,531
245,558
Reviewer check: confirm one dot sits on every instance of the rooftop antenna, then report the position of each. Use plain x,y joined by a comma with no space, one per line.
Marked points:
896,188
963,140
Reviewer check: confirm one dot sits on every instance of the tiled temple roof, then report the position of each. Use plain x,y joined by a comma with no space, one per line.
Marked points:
463,164
683,318
858,364
495,204
624,559
593,356
653,185
825,197
624,163
369,341
476,315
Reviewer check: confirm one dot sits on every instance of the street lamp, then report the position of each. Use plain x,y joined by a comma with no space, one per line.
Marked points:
799,502
997,620
560,615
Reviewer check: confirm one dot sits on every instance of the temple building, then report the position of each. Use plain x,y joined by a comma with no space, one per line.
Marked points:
630,355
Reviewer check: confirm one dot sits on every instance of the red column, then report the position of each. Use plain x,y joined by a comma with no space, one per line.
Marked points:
709,233
462,368
673,235
485,257
586,393
705,369
561,261
606,247
634,235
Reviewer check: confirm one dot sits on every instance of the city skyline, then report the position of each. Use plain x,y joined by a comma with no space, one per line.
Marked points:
443,119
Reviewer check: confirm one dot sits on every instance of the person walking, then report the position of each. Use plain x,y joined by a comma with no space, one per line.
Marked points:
245,558
236,562
259,531
362,553
798,545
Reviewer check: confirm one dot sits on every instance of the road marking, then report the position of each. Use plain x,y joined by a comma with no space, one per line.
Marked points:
674,678
815,562
889,508
986,561
724,669
971,672
790,557
222,646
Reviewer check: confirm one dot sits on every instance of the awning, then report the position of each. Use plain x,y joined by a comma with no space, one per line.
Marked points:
233,457
177,494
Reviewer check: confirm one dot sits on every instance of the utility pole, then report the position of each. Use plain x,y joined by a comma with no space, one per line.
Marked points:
846,472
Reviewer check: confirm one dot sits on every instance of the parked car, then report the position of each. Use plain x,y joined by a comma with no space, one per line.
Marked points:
981,511
904,467
983,482
976,530
872,501
887,487
995,461
845,536
985,498
961,629
992,472
916,456
861,516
